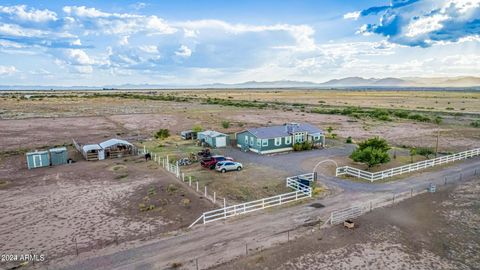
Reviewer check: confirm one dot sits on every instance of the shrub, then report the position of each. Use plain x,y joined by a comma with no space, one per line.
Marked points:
349,139
163,133
425,151
197,128
475,124
225,124
372,152
297,147
307,145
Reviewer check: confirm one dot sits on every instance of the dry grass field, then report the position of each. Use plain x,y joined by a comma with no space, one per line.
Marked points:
108,194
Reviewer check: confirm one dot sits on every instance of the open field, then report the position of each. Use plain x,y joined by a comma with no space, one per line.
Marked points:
445,101
94,203
102,203
430,231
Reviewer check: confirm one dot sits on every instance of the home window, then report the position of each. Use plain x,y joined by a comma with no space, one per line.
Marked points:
278,141
259,142
251,141
299,137
246,139
265,142
288,140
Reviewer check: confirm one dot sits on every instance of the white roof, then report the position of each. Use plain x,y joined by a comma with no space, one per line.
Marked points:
212,133
113,142
89,147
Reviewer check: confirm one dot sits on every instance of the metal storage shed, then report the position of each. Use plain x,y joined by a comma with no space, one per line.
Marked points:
38,159
213,138
58,156
93,152
116,148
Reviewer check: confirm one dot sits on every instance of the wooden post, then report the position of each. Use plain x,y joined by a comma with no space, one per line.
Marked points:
197,185
190,180
183,177
76,245
214,197
224,203
205,191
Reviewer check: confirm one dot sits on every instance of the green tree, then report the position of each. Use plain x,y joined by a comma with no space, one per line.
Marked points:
349,139
372,152
197,128
413,152
426,152
163,133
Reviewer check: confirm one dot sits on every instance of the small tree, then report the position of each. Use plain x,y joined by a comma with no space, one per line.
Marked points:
413,152
329,130
372,152
426,152
197,128
349,139
225,124
163,133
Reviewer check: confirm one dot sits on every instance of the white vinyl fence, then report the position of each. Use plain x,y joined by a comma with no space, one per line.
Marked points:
301,192
347,170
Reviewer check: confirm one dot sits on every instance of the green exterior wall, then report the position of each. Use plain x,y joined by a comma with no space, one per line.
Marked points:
271,147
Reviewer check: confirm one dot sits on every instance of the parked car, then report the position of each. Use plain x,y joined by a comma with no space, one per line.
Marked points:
228,165
210,162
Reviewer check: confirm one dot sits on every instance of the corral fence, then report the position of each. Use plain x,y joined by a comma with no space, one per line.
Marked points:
174,168
301,191
347,170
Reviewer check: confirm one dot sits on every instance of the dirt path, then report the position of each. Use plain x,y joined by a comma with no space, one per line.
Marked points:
218,243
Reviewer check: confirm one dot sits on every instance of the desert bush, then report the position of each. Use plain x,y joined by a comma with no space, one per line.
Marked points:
475,124
163,133
425,151
349,139
197,128
225,124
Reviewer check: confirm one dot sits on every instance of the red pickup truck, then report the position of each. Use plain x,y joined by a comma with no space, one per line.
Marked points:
210,162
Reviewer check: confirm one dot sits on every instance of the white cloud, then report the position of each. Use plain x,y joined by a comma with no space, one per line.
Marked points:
352,15
123,41
83,69
183,51
302,34
21,13
94,20
424,25
7,70
78,57
149,48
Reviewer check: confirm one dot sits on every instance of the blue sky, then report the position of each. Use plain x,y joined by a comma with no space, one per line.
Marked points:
195,42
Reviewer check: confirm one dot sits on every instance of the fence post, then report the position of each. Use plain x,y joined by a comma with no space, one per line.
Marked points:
224,202
205,191
263,203
183,177
190,180
197,185
214,197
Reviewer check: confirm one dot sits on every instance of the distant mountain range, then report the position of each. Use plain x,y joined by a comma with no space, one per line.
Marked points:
469,82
